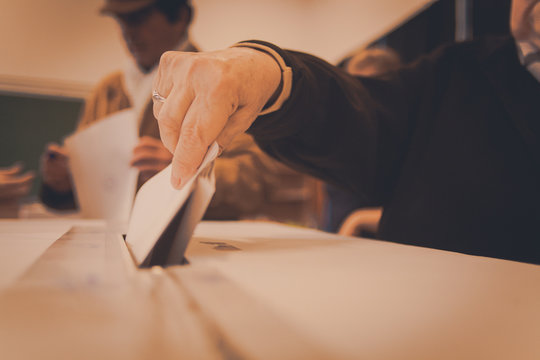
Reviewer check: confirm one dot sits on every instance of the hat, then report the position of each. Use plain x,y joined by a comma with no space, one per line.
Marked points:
124,6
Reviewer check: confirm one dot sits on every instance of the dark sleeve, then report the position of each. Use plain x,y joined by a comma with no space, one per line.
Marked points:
349,131
56,200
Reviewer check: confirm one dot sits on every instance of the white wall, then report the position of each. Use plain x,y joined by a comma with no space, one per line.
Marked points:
63,47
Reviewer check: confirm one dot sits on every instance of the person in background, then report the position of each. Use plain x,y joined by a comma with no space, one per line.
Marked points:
14,186
448,145
248,182
373,61
340,204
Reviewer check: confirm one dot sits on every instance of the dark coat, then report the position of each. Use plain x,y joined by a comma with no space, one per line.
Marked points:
448,145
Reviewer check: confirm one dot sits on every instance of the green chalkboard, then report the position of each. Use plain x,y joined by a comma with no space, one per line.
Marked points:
28,123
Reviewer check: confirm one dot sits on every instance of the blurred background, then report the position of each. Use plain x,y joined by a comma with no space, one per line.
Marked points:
54,51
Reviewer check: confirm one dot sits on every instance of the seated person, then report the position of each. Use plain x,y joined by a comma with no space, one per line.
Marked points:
246,179
14,186
447,145
373,61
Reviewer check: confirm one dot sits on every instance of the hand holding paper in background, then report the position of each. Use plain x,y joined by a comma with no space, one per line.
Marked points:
14,185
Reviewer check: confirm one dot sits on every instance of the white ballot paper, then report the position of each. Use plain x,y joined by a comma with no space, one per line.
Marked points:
163,218
99,158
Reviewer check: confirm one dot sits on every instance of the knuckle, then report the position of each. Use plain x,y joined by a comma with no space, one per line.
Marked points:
208,67
196,65
167,57
183,165
166,120
192,138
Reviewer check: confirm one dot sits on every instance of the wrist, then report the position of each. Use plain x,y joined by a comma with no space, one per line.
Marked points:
283,89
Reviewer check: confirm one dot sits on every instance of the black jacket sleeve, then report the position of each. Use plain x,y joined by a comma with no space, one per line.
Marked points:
349,131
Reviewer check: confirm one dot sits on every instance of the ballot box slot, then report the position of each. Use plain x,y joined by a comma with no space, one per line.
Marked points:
162,249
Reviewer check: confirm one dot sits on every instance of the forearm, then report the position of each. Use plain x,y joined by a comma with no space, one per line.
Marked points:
327,127
349,131
331,125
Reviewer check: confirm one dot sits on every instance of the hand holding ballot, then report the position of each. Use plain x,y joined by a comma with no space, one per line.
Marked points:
209,97
55,168
14,185
150,157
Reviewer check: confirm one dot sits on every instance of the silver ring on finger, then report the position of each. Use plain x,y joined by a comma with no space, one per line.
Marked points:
158,97
220,149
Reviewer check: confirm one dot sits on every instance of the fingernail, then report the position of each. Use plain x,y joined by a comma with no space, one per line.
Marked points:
175,182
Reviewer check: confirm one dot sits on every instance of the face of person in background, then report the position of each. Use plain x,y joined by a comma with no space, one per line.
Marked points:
525,21
148,34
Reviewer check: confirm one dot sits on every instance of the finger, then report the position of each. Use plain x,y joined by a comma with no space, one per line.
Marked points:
55,151
202,125
11,170
157,108
156,147
149,158
172,115
145,148
152,151
149,141
163,79
158,84
14,190
154,167
54,147
25,178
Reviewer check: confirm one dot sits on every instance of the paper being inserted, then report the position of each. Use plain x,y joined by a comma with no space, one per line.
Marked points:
163,218
99,159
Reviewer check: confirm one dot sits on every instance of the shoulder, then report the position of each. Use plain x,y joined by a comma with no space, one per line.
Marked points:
474,50
457,58
108,96
114,80
110,90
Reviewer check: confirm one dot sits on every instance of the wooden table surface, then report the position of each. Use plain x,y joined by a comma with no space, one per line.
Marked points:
267,291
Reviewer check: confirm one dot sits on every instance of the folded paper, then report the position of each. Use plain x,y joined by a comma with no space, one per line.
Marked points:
164,218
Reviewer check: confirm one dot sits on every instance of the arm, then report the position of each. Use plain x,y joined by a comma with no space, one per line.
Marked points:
350,131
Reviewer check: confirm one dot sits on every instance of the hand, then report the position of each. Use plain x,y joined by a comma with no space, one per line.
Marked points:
150,157
55,168
14,184
361,221
209,97
525,20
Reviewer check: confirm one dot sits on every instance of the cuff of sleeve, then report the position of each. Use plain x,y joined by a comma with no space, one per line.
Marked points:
285,85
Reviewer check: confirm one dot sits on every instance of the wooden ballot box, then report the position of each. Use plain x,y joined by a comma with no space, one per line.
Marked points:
254,290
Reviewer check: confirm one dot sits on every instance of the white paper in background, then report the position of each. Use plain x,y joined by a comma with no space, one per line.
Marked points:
157,203
99,158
